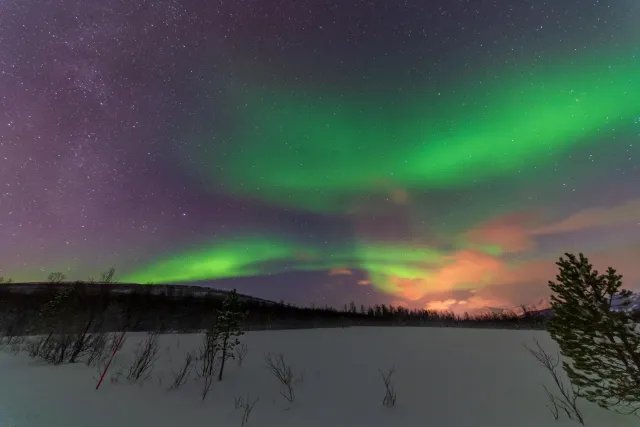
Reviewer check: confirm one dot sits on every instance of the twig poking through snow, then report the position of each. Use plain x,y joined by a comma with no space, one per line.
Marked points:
115,376
145,357
181,377
15,344
283,373
567,403
390,397
208,360
241,351
240,403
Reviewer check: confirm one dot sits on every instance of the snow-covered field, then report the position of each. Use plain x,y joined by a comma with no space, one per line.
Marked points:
444,378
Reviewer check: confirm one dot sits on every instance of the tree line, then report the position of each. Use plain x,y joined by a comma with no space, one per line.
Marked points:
187,309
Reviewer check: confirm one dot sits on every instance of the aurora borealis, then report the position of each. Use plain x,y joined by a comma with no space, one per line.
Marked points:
437,155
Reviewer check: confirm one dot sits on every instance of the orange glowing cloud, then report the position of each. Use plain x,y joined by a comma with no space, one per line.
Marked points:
467,268
628,212
340,271
400,196
440,305
509,232
463,269
484,274
475,303
410,289
472,304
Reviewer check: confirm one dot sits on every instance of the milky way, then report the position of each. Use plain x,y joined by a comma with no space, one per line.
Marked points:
433,154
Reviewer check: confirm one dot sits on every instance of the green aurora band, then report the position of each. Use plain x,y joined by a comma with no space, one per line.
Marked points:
250,256
323,152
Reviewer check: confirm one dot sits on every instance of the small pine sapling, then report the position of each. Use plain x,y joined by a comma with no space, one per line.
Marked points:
228,328
603,345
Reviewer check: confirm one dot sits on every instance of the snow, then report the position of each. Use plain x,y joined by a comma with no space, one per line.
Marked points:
634,303
445,377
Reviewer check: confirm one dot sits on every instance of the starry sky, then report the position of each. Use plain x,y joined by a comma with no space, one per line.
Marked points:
437,154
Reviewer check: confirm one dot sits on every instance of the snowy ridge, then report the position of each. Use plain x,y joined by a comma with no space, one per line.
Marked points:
543,307
634,303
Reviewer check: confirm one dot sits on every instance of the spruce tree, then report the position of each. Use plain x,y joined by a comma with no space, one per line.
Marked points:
228,328
603,345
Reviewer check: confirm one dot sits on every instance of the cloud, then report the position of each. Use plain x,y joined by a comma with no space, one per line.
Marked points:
440,305
495,264
410,289
509,232
516,232
472,304
479,303
340,271
467,267
463,269
400,196
628,212
364,282
473,281
305,256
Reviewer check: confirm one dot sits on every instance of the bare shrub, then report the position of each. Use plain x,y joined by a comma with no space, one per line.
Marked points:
141,366
238,402
5,341
82,342
97,349
34,345
55,349
182,375
390,396
56,277
246,405
117,375
15,344
160,378
67,348
567,401
283,373
116,340
107,276
14,324
241,351
208,361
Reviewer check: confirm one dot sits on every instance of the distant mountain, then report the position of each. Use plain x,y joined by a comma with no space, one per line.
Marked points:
539,306
634,303
616,305
127,288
